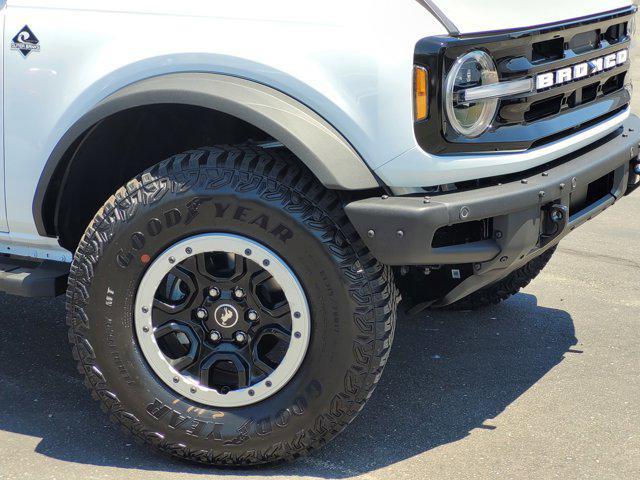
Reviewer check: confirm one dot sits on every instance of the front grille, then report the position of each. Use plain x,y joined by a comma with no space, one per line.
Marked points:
540,117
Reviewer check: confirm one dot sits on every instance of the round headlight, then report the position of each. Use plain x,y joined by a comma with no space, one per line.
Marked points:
474,69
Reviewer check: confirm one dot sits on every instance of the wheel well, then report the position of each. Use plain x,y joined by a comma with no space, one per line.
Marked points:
120,147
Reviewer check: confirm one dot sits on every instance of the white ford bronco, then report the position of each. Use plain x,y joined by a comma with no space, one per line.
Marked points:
235,195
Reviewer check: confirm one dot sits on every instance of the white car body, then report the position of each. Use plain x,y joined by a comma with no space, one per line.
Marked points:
350,62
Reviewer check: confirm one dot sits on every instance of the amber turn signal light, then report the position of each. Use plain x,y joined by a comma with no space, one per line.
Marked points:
420,97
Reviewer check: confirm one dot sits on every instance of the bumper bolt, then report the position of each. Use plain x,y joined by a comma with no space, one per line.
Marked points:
238,293
371,234
252,316
215,336
240,337
214,292
202,313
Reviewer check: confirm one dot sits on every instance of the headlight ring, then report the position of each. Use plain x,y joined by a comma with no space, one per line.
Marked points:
473,69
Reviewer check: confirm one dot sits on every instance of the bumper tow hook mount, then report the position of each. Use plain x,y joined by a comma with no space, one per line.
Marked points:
554,223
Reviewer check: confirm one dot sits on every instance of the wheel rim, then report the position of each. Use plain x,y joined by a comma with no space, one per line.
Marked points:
222,320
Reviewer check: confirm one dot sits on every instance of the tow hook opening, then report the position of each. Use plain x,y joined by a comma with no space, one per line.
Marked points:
634,174
557,213
555,217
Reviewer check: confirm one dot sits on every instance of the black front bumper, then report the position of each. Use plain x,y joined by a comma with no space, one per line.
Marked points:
526,216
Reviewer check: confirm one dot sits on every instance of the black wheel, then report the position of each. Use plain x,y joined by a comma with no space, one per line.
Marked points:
505,288
223,310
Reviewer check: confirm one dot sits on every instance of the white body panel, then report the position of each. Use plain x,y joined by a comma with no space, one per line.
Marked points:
351,62
350,67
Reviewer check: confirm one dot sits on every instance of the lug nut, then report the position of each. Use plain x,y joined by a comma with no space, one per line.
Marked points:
214,292
238,293
240,337
215,336
202,313
252,316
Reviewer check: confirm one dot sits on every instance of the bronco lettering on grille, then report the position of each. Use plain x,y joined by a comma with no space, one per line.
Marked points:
581,70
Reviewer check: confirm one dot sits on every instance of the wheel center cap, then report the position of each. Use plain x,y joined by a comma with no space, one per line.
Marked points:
226,315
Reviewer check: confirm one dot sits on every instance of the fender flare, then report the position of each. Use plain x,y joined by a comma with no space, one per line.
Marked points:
311,138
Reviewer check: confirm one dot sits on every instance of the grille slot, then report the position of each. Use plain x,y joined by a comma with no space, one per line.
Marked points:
548,50
616,33
585,42
544,108
613,84
590,92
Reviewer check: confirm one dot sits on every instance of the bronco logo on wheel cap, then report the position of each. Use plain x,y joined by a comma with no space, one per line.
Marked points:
226,315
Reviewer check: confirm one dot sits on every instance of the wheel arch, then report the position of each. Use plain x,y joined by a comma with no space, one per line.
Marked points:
329,156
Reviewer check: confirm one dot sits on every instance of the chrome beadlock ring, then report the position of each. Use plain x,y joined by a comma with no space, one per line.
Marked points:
246,249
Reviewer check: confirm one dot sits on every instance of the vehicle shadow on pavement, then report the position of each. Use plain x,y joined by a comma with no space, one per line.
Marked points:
449,373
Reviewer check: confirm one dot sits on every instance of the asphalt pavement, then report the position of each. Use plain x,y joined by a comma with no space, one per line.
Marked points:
545,385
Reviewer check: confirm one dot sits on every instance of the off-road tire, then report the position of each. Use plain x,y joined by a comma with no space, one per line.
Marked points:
505,288
353,302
